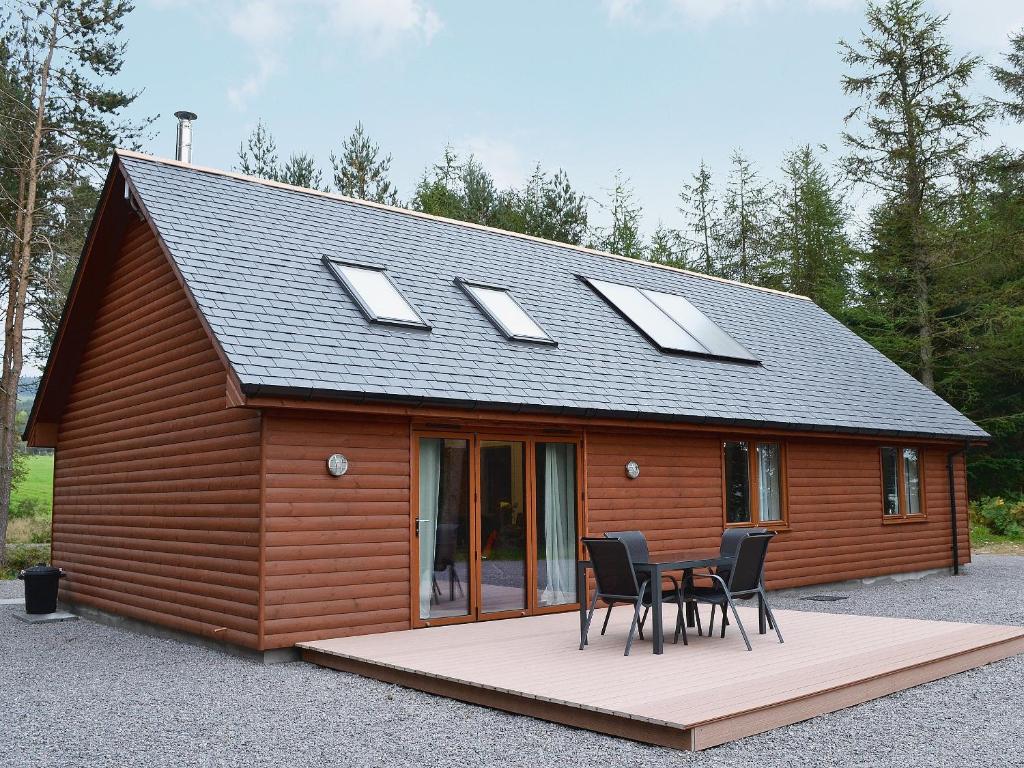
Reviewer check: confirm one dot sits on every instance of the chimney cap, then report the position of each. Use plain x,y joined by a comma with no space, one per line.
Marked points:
184,114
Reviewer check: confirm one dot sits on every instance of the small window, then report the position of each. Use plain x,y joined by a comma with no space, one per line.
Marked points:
670,321
378,297
902,497
505,312
754,483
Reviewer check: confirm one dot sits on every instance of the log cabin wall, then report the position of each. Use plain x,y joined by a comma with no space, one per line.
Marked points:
156,483
337,548
834,488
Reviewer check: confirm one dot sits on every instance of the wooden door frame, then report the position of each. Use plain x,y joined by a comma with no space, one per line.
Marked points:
474,438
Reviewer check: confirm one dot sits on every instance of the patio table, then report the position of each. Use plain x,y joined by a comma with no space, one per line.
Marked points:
657,568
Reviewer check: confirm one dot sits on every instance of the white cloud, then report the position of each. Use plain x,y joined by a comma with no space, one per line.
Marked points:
707,11
267,27
501,158
382,24
240,94
259,23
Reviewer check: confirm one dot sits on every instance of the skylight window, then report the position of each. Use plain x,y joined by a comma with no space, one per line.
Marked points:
505,312
377,297
670,321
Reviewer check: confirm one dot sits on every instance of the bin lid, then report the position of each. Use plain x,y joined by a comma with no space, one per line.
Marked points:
42,569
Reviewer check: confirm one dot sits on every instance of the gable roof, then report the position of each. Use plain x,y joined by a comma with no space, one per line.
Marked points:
252,253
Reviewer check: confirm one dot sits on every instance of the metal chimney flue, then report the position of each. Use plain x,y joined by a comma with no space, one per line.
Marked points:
183,147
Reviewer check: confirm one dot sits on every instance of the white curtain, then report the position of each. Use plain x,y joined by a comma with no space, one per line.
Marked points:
430,487
768,484
559,523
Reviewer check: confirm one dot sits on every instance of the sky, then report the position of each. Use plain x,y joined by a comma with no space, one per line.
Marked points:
650,87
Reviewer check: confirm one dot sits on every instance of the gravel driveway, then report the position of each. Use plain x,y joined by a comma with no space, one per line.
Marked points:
82,694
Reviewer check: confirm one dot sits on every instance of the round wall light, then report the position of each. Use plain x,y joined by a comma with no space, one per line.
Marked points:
632,470
337,465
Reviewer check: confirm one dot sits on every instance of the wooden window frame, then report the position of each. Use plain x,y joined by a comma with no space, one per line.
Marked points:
903,517
753,490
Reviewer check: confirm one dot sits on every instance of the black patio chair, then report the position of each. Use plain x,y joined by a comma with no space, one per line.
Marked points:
617,583
639,552
731,539
744,582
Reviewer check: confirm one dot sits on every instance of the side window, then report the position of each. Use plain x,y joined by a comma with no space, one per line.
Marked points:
902,494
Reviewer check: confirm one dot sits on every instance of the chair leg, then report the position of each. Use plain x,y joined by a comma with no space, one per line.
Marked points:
711,623
680,624
607,616
696,618
771,617
643,620
632,627
738,622
725,620
586,624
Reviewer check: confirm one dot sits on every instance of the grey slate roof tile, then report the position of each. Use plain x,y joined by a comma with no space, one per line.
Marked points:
251,256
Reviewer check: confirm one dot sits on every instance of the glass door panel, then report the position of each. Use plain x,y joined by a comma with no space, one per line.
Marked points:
502,525
556,523
443,527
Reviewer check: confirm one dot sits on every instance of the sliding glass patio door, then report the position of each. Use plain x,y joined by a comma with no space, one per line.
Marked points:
496,526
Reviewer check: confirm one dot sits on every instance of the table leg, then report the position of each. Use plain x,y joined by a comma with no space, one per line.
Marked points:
659,635
581,594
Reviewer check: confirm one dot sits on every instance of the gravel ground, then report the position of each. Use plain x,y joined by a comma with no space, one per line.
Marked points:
82,694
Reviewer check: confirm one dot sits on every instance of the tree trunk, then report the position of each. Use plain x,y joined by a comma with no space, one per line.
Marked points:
924,324
14,321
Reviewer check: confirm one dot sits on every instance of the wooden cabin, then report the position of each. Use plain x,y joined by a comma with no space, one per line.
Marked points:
281,415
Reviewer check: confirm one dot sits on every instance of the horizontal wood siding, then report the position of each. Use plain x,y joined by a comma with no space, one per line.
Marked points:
156,484
337,548
835,530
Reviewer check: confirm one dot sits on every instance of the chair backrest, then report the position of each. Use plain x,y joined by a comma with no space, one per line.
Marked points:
636,544
731,539
749,563
613,569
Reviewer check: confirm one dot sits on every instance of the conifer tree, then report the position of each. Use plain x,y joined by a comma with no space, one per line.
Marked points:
914,126
301,171
668,247
361,171
1011,78
744,229
623,236
257,156
703,229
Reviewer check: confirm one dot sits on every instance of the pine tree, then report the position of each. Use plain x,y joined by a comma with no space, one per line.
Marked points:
1011,78
257,156
361,171
916,126
667,247
745,220
439,191
703,231
623,236
551,208
58,123
301,171
814,254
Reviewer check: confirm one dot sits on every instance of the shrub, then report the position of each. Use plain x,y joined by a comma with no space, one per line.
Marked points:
28,508
1004,517
21,556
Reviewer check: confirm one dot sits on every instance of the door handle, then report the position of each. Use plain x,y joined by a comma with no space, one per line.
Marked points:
418,521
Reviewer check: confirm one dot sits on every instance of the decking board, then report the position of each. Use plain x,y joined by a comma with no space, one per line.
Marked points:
692,697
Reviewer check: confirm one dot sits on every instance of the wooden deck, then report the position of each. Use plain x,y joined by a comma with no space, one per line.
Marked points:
692,697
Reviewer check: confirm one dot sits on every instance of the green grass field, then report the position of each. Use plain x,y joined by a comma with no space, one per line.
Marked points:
38,484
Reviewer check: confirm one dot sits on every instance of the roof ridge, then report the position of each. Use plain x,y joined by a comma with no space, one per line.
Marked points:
442,219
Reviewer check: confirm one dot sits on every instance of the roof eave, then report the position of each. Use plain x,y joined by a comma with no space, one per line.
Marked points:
253,390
